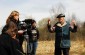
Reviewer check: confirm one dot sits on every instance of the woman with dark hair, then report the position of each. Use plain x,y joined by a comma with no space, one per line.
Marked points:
9,44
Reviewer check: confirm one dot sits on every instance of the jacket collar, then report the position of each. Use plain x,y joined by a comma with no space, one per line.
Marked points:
59,24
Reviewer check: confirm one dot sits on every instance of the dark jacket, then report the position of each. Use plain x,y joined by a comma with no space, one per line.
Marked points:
33,34
9,46
62,34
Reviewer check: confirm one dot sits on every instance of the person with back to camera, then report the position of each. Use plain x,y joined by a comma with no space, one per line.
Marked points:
62,34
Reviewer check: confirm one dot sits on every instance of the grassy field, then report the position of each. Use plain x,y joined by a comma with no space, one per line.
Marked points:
47,48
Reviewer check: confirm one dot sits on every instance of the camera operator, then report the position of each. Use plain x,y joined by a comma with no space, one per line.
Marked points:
30,34
33,37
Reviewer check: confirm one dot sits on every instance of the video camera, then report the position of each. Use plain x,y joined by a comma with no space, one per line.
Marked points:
25,24
25,27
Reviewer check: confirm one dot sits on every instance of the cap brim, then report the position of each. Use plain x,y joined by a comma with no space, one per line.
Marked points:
60,16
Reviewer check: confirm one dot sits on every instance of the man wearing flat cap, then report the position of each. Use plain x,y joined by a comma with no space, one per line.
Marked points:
62,34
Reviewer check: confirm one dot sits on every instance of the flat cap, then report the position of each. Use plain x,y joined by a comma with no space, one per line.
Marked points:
60,15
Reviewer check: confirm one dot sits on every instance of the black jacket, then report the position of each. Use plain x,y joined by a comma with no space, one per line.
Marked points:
9,46
33,34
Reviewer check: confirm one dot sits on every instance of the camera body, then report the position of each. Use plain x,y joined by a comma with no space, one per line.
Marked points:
25,24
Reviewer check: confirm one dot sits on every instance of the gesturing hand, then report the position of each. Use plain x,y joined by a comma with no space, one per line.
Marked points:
73,22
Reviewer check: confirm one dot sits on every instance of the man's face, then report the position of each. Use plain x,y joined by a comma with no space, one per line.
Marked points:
34,24
61,20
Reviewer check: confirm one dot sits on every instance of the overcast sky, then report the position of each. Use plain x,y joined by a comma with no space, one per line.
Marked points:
39,9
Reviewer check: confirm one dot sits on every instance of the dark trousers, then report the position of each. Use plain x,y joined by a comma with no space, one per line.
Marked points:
60,51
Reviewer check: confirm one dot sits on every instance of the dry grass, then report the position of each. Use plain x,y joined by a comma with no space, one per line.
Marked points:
47,48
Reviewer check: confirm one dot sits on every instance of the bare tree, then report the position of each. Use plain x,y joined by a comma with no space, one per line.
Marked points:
57,9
